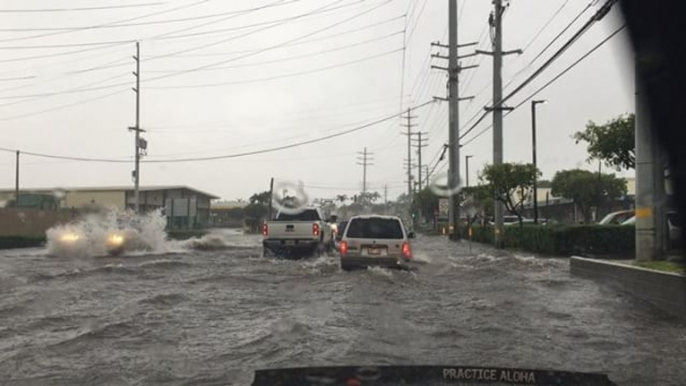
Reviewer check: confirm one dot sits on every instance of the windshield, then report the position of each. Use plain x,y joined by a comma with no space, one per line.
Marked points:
305,215
193,191
374,228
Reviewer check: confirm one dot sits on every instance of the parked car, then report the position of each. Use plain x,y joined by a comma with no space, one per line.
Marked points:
375,241
294,235
674,226
513,220
616,217
629,221
673,229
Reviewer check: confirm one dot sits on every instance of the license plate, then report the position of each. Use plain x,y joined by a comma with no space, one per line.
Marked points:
290,242
374,251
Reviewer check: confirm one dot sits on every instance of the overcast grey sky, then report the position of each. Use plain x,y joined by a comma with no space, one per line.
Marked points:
245,75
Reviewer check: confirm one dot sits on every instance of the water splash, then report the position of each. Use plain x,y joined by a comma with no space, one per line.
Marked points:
111,232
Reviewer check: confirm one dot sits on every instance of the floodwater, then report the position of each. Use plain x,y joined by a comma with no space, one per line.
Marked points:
213,316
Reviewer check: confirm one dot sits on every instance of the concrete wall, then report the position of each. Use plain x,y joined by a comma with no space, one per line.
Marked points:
666,291
31,222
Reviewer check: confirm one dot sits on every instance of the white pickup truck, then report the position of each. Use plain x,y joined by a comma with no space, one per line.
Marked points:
305,233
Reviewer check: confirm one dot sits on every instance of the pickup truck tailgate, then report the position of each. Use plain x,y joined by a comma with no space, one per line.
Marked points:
291,230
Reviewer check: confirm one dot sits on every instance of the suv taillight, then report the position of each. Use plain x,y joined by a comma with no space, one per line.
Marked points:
343,248
265,230
315,229
406,250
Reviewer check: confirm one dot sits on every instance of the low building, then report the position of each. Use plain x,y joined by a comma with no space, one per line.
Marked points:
227,214
184,206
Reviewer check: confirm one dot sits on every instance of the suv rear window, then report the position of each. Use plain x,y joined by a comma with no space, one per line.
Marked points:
305,215
375,228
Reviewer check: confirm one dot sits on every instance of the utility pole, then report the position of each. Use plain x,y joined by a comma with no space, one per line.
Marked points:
409,125
533,149
16,182
651,235
454,69
419,147
271,197
466,171
364,161
140,143
496,23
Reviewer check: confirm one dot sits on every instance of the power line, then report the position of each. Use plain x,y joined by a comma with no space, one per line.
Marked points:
226,156
421,11
186,6
558,76
345,32
118,62
597,17
110,44
540,30
289,58
171,34
569,25
205,67
34,113
215,64
219,84
97,8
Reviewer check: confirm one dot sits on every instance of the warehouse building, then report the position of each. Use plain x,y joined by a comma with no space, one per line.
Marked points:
184,206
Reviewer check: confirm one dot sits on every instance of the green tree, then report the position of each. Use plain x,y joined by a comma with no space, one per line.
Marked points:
426,203
587,189
614,142
256,211
369,197
511,184
261,198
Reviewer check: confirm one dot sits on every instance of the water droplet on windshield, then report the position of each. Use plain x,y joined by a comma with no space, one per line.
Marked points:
289,197
440,186
59,193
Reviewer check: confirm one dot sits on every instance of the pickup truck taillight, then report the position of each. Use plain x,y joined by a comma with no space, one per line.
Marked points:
315,229
343,248
265,230
406,250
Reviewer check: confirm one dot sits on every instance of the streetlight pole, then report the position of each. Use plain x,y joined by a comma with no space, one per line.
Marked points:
533,147
466,163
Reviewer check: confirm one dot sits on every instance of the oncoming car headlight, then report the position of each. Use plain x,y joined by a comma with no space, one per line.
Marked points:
69,237
115,240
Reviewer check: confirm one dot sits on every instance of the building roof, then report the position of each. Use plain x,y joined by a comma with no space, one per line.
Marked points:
108,189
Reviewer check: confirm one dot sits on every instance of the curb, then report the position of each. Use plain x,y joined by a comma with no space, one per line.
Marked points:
665,290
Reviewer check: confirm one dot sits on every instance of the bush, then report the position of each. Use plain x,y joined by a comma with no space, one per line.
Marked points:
586,240
12,242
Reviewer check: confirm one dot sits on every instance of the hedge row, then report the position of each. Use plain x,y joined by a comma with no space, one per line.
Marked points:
13,242
585,240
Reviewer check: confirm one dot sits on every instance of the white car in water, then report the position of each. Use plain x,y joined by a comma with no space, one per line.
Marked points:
375,241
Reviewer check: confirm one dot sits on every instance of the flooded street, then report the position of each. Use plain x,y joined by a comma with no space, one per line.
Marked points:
212,317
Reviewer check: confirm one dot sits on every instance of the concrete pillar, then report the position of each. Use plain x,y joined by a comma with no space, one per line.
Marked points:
650,184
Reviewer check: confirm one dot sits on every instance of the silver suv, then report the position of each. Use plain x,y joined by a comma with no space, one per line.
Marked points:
375,241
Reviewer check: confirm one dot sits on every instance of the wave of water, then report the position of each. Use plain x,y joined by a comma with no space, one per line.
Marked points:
93,234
